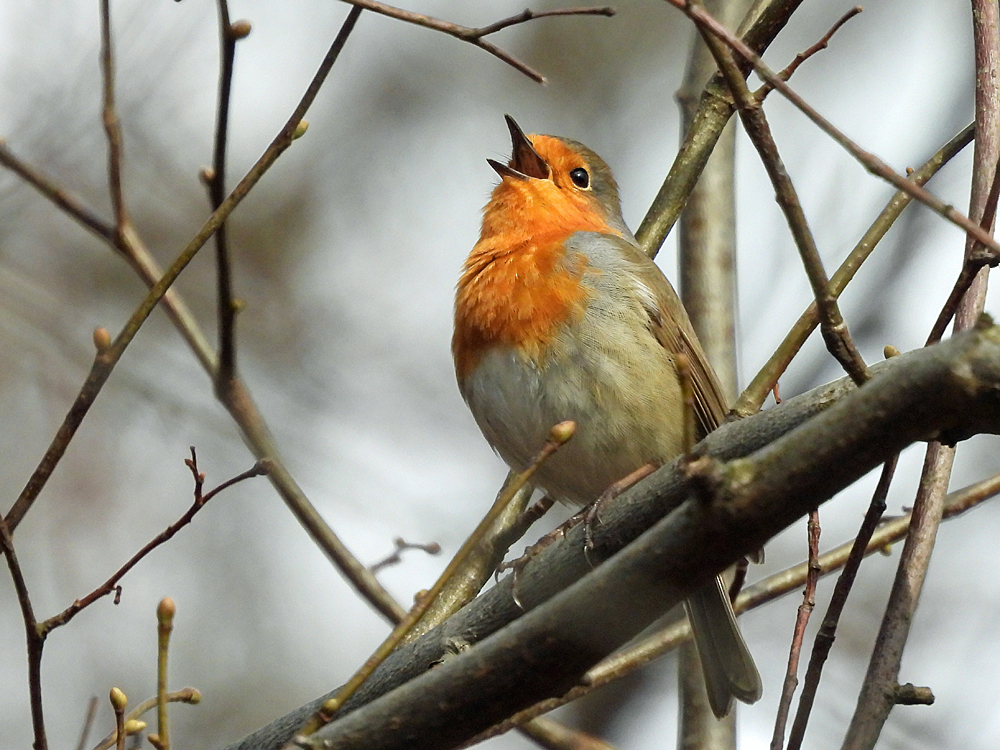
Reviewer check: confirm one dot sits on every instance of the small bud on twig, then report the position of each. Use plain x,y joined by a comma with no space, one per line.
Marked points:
102,340
240,29
118,699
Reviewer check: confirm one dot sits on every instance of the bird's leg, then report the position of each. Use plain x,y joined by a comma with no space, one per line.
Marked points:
586,516
524,521
535,512
589,514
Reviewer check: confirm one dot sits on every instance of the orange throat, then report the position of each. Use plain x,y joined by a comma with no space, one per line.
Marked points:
518,287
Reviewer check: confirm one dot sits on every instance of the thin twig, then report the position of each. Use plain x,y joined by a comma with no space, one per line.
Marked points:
800,58
185,695
236,398
475,35
132,249
766,379
715,108
88,723
828,629
258,469
217,192
871,162
433,548
34,637
112,128
835,333
69,203
877,697
973,264
801,620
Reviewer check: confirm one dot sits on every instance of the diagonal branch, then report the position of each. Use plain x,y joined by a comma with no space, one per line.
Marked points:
871,162
752,398
235,398
834,329
779,584
34,637
831,418
107,358
715,107
475,36
164,536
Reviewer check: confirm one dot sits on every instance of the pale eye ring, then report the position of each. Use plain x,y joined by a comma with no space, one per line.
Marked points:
580,177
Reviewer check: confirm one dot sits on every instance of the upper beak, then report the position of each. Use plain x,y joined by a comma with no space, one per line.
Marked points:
524,161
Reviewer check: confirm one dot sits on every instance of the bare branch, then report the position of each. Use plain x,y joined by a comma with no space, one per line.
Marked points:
871,162
765,380
548,649
106,360
800,58
35,638
835,334
475,36
801,620
112,128
259,469
217,192
828,629
774,586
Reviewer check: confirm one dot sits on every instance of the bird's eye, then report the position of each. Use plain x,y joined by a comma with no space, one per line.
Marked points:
580,177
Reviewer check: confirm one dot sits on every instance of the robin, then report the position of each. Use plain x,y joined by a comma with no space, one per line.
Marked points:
560,316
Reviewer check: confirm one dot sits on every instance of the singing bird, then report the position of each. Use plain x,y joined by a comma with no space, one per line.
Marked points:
560,316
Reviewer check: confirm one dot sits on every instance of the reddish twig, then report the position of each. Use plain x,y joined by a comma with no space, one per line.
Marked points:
871,162
396,557
229,35
835,334
800,58
801,620
828,628
974,262
34,637
475,36
200,499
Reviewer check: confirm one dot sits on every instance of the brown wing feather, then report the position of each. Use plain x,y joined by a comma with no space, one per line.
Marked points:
672,328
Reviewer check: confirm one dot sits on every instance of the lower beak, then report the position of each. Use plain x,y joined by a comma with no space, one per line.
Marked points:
524,161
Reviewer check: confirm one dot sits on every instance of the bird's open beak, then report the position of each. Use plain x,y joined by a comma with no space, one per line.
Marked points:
524,161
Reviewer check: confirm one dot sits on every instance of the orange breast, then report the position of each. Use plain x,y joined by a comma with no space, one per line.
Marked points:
517,287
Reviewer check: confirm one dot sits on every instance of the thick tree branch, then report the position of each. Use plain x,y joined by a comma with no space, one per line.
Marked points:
725,511
948,390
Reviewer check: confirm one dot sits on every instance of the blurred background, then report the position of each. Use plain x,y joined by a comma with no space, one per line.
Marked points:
346,256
